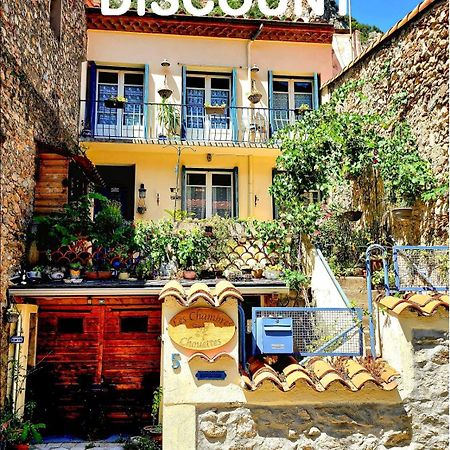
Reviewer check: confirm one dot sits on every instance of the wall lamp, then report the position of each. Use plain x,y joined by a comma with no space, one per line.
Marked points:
254,69
165,63
141,208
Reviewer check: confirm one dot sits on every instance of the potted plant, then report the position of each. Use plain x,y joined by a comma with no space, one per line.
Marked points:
257,270
218,110
273,272
168,119
192,252
155,430
75,270
36,273
117,102
98,270
254,96
19,433
302,109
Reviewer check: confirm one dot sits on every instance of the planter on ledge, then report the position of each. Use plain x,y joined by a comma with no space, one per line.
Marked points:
115,104
189,274
98,275
217,110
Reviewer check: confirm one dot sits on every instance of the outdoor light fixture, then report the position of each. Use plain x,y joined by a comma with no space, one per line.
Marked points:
141,208
209,157
254,68
165,63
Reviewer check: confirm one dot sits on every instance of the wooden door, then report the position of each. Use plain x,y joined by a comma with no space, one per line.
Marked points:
98,364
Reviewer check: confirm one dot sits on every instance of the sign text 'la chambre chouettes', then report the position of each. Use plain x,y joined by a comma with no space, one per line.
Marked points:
172,7
201,329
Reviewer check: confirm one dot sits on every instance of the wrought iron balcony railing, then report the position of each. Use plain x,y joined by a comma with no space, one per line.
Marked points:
163,122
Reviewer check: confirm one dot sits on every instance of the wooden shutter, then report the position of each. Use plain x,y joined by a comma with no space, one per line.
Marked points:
234,115
146,99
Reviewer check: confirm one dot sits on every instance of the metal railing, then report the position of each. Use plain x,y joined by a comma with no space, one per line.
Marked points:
167,122
319,331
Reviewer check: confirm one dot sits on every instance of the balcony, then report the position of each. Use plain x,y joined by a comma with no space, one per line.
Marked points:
166,123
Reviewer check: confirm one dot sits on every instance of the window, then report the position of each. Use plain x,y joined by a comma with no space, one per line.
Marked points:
211,90
70,325
209,193
126,122
288,95
133,324
56,17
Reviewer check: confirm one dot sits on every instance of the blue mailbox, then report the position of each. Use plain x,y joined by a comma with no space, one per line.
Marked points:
274,335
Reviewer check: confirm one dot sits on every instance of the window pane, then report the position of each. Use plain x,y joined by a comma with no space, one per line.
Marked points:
195,108
220,83
303,86
222,204
108,77
196,179
281,113
195,82
303,99
134,78
70,325
133,324
219,179
196,201
106,116
280,86
134,107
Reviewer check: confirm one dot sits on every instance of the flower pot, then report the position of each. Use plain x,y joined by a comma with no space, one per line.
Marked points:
217,110
402,213
98,275
34,275
114,104
124,276
21,446
75,273
165,92
352,216
255,97
189,274
154,431
257,273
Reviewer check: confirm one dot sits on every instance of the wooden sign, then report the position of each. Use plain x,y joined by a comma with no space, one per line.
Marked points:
201,329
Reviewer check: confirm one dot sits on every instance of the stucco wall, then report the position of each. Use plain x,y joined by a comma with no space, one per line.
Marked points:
417,57
155,167
39,92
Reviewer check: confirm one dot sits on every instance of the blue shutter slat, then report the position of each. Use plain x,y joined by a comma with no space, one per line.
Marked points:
183,103
270,99
146,99
234,115
92,97
316,101
183,188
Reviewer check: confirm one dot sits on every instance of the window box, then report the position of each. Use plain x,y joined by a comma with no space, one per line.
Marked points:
114,104
217,110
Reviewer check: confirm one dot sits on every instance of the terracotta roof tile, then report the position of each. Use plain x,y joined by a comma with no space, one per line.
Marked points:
320,374
424,304
200,291
210,359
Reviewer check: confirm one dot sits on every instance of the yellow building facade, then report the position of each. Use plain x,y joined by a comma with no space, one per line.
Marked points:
175,150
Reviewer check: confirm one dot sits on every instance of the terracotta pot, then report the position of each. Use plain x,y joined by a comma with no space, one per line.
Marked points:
98,275
402,213
75,273
21,446
257,273
189,274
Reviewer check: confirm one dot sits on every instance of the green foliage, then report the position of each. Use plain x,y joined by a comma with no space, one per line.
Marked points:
193,249
141,443
295,280
168,118
363,28
17,430
156,403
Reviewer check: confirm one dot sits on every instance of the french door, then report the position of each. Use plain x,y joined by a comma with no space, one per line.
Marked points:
211,90
126,122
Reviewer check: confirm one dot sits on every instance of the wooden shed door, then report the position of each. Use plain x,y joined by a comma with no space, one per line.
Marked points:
99,366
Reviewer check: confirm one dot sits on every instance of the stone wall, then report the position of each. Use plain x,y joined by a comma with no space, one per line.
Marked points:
414,60
337,427
39,78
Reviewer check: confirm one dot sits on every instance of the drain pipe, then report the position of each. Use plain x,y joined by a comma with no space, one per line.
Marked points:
242,333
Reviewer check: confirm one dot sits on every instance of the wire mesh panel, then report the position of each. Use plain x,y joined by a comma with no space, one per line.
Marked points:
421,268
319,331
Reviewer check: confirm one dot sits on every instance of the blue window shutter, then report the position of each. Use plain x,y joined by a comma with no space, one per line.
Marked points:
92,97
183,188
236,192
183,103
234,115
146,99
316,101
270,90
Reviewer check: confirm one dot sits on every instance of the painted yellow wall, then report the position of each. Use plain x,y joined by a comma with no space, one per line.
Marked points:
155,167
208,54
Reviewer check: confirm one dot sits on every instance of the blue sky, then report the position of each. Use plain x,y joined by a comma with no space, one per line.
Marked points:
382,13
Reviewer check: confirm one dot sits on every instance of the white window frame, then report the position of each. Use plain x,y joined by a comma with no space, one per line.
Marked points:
209,187
133,131
291,89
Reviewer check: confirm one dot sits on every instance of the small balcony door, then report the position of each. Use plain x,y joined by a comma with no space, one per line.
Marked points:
126,122
288,95
211,90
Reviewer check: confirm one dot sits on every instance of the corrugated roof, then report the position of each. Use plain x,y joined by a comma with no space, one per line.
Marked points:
320,374
415,13
423,304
